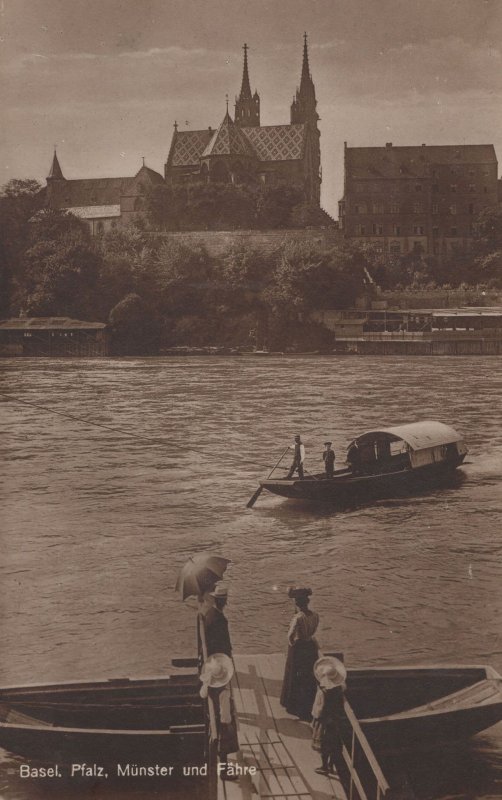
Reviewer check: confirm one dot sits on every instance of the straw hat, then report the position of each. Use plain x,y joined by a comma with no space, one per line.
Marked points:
217,670
330,669
299,591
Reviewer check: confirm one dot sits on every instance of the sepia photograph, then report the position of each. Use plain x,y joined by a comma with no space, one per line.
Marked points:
251,400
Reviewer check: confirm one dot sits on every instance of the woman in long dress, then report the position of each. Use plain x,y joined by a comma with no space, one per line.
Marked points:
299,685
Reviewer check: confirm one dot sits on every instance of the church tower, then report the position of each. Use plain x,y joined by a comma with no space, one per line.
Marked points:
304,105
304,112
247,106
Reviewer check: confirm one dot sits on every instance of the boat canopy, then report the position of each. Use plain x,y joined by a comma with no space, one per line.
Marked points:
418,435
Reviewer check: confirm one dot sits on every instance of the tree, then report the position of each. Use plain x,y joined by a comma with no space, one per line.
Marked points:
488,229
19,201
134,330
60,267
275,205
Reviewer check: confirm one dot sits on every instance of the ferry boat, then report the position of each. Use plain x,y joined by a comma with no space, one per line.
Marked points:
380,463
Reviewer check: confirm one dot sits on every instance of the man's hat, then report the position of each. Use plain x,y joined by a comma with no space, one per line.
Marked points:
297,438
330,670
328,442
217,671
299,591
220,590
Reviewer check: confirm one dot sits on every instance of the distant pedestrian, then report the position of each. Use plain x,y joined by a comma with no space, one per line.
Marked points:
298,458
328,712
216,623
329,459
299,687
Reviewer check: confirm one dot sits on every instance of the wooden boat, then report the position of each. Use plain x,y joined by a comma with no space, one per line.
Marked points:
162,720
381,463
424,706
108,722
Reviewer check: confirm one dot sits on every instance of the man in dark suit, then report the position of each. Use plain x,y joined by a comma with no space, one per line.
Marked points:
216,624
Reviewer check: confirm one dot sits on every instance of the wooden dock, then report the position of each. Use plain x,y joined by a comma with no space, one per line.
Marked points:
273,741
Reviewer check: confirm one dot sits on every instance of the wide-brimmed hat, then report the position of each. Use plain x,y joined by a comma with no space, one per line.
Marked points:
299,591
328,442
220,590
331,669
217,670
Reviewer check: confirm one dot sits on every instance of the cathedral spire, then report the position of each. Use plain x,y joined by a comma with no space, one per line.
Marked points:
56,173
247,106
245,86
306,78
303,108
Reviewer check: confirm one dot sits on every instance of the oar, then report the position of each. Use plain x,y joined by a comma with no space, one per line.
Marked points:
259,490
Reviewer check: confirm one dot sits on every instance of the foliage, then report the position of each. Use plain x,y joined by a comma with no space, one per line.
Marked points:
19,201
134,330
60,267
223,206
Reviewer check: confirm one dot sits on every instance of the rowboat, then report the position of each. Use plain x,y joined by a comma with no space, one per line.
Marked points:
106,722
381,463
410,707
163,720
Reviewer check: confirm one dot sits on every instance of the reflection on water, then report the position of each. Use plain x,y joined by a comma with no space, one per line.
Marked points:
95,525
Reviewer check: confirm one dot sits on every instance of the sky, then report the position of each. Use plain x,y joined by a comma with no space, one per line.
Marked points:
105,80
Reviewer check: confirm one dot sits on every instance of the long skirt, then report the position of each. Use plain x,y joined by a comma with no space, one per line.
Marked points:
299,685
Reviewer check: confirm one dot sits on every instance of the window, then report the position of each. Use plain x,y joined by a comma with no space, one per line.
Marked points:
418,208
378,208
472,188
359,188
485,189
396,230
471,208
418,230
100,226
453,231
435,208
377,229
435,187
360,209
394,208
395,247
418,187
417,247
435,231
453,210
360,230
453,188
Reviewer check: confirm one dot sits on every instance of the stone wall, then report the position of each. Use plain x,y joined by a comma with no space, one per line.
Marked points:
217,243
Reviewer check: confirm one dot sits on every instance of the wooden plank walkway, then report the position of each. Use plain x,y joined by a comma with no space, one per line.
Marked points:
278,744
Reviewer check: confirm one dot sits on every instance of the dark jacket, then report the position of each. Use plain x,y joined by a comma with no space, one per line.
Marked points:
217,635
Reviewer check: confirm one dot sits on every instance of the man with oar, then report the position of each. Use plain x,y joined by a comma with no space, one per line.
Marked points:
258,492
299,457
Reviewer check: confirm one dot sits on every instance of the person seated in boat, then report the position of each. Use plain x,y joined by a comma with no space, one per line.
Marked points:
298,686
298,459
329,459
354,458
328,712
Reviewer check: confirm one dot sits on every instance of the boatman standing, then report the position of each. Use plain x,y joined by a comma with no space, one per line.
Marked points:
299,458
329,459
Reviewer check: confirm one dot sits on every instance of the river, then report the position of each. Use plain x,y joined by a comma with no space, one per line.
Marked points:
96,524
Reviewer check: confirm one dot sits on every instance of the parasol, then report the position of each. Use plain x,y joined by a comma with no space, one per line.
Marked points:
200,574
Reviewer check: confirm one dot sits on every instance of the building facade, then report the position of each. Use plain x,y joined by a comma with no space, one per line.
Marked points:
104,203
417,199
241,150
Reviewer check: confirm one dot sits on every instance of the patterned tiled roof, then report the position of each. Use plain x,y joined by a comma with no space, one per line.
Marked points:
229,139
189,146
277,142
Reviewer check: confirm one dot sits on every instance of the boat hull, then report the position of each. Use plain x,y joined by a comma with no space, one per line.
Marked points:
345,487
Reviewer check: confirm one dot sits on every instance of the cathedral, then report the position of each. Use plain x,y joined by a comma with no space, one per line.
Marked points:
242,150
239,151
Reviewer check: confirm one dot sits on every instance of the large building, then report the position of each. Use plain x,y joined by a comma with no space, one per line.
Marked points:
421,198
241,150
103,203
